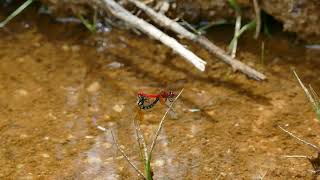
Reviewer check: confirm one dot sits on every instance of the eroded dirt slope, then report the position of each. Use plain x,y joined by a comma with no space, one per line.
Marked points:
298,16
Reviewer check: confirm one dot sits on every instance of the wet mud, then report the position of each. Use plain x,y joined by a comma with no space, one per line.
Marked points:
58,82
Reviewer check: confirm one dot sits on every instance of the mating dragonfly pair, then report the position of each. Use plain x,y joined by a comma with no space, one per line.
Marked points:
163,96
148,101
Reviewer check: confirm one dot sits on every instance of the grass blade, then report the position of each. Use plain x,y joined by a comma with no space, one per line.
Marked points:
15,13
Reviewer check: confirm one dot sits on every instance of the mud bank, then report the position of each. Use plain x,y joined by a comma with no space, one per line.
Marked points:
298,16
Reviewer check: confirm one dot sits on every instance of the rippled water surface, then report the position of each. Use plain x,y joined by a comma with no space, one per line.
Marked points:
58,83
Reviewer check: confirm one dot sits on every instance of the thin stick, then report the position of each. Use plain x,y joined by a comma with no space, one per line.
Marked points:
161,124
301,140
154,32
306,91
138,139
258,18
296,156
141,139
314,95
164,21
262,175
126,157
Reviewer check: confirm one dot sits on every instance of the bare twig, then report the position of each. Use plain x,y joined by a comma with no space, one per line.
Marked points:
258,18
305,89
154,32
262,175
301,140
164,21
154,142
296,156
140,139
126,157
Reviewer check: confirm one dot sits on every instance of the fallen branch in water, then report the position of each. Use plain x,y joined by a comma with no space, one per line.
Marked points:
121,13
164,21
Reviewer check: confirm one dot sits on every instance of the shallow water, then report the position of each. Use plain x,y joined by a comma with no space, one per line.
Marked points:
58,83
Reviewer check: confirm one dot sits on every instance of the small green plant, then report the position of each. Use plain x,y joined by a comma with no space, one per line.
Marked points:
202,29
15,13
311,95
247,27
265,22
238,29
92,27
234,4
144,151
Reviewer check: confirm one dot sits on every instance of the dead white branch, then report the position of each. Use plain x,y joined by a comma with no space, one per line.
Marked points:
164,21
121,13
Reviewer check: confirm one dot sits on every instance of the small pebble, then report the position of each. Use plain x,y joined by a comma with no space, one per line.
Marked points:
65,47
111,124
93,87
118,108
93,160
211,113
159,163
75,48
88,137
119,157
107,145
45,155
109,159
23,136
22,92
207,169
114,65
106,117
46,138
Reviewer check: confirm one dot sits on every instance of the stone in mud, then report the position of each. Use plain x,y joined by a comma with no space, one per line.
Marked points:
93,87
118,108
159,163
22,92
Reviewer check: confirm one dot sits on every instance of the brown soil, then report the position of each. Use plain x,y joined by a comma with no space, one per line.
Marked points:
297,16
58,81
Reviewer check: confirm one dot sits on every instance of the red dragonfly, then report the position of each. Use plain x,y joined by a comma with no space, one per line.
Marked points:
144,100
163,96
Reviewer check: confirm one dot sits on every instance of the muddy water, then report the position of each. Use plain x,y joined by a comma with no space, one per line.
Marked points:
58,82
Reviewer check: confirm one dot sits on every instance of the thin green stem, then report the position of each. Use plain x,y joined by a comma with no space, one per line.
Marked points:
245,28
15,13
